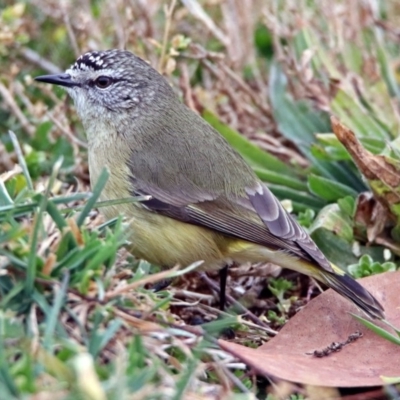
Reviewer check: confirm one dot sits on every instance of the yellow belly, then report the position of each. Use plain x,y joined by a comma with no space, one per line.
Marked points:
168,242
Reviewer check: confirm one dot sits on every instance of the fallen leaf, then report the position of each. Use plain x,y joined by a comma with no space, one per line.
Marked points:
370,222
370,216
324,320
381,172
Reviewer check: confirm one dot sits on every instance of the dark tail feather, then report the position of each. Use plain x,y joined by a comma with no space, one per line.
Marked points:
348,287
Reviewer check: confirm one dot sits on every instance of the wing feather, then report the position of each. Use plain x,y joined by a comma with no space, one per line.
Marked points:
281,224
228,218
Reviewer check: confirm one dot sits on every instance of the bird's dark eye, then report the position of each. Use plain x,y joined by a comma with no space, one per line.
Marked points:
103,82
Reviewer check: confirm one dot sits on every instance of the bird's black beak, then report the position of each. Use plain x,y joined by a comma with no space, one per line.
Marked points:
57,79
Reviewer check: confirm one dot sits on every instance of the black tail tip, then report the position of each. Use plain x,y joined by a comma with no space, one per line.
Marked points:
361,297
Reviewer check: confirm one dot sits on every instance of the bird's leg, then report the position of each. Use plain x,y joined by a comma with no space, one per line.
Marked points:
161,285
223,274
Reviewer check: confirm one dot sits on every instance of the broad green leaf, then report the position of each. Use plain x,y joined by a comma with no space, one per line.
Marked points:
303,199
332,231
296,121
327,189
332,219
329,153
385,65
253,154
323,60
348,206
280,179
299,123
374,145
350,113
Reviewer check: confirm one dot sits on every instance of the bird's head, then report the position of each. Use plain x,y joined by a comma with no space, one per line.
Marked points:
104,84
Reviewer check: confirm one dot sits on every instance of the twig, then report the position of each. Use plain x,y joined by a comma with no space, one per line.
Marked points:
9,100
234,379
247,89
149,279
198,12
118,24
41,62
229,350
168,15
70,31
393,246
67,132
185,86
336,346
149,323
154,324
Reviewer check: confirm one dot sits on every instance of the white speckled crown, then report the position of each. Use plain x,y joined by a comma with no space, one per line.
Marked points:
93,60
118,60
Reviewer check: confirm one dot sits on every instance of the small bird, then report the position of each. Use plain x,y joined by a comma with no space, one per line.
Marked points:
205,202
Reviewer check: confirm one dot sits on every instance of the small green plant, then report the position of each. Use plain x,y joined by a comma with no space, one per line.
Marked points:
366,266
306,217
297,396
279,287
275,318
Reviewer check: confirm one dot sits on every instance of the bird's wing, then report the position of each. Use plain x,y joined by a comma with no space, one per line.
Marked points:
257,216
211,186
281,224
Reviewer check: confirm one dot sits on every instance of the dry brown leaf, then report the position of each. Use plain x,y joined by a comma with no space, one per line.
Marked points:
324,320
370,216
371,222
382,173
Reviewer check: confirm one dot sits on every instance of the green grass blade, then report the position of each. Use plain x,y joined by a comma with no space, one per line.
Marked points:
52,317
5,199
21,159
99,186
378,330
31,270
